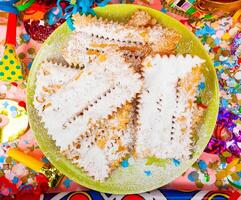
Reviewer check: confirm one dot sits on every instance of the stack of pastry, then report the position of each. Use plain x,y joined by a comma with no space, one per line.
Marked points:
123,92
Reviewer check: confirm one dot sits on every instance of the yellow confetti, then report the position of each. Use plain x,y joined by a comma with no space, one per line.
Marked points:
226,36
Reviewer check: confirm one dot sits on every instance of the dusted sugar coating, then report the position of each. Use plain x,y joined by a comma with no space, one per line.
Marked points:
160,39
93,36
166,109
99,89
106,143
83,48
52,76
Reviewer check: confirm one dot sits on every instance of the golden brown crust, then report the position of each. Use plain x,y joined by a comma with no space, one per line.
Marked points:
141,18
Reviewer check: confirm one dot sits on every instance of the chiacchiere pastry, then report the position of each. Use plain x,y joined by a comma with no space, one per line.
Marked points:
51,77
97,91
105,144
166,106
120,94
94,35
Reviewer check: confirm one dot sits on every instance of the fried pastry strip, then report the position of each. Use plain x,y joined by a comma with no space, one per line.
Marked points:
166,106
106,143
99,90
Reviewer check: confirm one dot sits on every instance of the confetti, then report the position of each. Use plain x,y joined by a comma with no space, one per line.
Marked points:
124,163
147,172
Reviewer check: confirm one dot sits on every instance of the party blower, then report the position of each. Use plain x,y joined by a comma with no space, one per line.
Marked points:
51,173
10,66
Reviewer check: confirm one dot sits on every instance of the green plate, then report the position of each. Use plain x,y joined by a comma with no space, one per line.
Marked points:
131,179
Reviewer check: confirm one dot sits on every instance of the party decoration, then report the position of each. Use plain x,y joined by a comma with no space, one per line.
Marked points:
51,173
196,10
13,120
36,19
79,6
8,6
10,66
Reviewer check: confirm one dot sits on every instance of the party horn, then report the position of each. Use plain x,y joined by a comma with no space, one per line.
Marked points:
10,66
52,174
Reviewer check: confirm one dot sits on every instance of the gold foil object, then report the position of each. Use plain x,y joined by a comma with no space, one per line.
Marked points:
52,174
13,120
212,6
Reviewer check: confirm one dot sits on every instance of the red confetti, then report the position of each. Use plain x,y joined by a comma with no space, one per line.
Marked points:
229,159
201,105
22,104
239,61
215,49
14,84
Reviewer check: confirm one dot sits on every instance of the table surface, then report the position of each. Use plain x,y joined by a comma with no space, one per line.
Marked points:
221,40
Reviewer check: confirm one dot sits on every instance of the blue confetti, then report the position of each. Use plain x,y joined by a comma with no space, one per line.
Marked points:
26,142
67,183
223,165
217,41
2,158
164,10
176,162
147,172
26,37
217,63
29,65
239,173
13,108
125,163
201,86
202,165
224,102
5,104
81,7
44,159
15,180
193,176
209,30
206,30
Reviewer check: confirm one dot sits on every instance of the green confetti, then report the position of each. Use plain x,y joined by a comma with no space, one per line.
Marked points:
156,161
207,177
226,154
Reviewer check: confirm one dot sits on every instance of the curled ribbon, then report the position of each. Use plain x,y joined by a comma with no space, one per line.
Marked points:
9,6
80,6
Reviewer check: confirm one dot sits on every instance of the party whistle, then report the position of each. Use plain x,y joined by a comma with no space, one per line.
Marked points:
52,174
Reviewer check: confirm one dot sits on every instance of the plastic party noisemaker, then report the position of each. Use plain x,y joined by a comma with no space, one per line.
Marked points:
10,66
52,174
